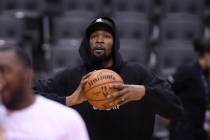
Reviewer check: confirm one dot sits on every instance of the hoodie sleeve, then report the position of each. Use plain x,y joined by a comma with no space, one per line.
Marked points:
160,96
181,79
54,88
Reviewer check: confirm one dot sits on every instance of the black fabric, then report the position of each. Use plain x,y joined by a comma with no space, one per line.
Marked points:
134,120
104,22
190,88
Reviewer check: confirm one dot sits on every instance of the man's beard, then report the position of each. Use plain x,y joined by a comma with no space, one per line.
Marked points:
16,98
101,58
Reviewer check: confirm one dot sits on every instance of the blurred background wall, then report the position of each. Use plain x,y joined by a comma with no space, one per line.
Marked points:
156,33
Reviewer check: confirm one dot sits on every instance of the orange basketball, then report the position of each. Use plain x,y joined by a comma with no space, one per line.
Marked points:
98,88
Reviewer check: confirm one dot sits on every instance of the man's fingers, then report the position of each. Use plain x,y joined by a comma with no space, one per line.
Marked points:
85,79
117,94
119,101
118,86
83,82
123,100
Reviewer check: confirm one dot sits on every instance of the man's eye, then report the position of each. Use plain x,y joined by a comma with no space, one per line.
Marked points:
93,36
107,36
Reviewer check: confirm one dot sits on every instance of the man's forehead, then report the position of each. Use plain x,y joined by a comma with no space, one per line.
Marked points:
8,57
7,53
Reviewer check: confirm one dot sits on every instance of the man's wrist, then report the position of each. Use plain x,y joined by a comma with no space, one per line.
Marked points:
142,91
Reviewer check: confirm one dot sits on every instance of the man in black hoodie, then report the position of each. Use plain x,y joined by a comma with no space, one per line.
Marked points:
191,85
143,92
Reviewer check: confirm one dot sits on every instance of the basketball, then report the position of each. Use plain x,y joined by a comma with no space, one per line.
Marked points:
97,88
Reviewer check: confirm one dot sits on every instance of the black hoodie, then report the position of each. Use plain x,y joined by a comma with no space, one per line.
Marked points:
189,85
134,120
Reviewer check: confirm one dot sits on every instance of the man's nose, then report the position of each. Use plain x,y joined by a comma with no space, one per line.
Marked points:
99,39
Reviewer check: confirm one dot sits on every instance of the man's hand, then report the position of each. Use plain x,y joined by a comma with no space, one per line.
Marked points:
126,93
78,96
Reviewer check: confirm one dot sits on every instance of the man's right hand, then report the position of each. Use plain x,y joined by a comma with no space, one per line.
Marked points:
78,96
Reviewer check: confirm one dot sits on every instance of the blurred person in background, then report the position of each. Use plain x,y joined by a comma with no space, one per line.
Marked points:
142,96
28,116
191,85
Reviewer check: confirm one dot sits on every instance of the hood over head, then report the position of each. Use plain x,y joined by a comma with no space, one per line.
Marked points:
202,46
108,24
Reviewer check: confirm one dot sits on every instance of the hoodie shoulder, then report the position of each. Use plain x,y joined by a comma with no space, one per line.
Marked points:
185,70
135,67
135,70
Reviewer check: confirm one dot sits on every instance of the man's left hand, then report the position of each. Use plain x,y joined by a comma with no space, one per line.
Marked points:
126,93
